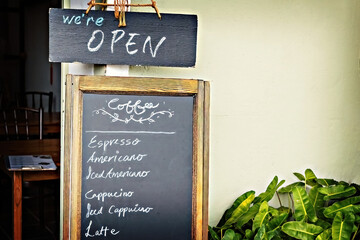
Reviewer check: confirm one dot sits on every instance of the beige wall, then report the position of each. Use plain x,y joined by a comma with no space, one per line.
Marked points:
285,90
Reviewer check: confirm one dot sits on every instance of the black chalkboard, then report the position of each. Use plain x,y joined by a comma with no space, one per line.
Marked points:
137,167
135,158
146,40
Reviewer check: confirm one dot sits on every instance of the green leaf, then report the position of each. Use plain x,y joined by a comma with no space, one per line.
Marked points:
274,212
357,219
336,192
342,228
289,188
344,183
277,221
262,217
356,186
236,203
237,236
240,210
299,176
274,226
249,234
316,198
274,233
246,217
322,223
304,210
284,210
310,177
213,234
309,174
301,230
325,235
355,228
270,191
229,235
261,234
345,206
326,182
276,237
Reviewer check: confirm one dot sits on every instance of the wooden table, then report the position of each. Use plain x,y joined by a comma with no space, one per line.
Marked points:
27,147
51,122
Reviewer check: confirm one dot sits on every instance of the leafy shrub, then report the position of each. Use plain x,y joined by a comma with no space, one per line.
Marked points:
318,209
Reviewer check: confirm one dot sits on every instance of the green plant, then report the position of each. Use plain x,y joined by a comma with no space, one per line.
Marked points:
318,209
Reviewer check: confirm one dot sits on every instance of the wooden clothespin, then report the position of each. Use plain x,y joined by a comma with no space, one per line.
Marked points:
120,8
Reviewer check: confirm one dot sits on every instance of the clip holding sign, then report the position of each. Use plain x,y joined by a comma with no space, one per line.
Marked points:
120,8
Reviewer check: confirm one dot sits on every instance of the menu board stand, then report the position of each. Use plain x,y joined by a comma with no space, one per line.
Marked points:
136,158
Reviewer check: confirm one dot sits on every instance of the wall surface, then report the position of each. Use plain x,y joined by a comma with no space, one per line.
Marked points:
285,90
38,73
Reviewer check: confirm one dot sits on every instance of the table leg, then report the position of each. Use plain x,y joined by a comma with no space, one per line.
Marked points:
17,204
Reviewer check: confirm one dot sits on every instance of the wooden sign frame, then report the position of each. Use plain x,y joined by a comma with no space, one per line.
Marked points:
76,86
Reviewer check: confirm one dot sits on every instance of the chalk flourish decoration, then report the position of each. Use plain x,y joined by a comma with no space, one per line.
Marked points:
134,111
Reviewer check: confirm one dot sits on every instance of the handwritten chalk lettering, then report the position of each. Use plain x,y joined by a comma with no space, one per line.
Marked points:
116,38
116,158
93,212
122,211
134,110
100,196
103,231
80,19
113,174
94,143
130,42
148,42
93,37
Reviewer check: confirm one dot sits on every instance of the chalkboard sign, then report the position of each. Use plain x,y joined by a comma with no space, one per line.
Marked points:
146,40
136,158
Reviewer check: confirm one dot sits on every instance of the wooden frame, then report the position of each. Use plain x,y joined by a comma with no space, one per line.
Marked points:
76,86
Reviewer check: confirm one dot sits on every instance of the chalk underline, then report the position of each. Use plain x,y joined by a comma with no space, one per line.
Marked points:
131,132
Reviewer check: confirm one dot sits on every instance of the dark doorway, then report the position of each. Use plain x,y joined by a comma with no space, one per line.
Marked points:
24,48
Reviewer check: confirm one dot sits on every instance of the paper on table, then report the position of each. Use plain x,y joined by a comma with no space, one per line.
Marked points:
31,162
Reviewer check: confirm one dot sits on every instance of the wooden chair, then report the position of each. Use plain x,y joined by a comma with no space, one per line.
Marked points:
22,123
35,99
